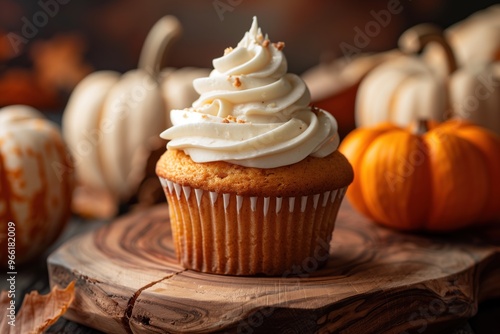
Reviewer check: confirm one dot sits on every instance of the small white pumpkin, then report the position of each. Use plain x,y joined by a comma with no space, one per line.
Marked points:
474,88
109,116
476,39
36,182
432,88
475,94
406,88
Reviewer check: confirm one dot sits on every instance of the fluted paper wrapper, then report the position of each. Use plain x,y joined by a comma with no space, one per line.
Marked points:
240,235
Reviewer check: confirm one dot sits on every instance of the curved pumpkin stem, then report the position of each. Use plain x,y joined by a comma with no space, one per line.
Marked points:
157,42
420,127
415,39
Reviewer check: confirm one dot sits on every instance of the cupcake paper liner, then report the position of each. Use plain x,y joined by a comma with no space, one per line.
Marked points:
246,235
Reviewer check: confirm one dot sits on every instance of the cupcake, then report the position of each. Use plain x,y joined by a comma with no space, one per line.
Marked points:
251,173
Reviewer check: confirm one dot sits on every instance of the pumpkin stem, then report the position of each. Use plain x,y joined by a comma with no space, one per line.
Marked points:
415,39
420,127
157,42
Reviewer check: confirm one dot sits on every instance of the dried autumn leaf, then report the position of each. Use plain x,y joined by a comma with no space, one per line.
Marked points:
37,313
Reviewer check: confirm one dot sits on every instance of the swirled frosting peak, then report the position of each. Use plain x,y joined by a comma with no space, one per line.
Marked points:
251,112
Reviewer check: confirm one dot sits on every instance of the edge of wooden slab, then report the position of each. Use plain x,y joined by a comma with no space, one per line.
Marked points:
359,288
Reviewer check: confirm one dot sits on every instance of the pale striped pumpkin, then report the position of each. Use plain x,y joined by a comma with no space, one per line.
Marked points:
36,182
110,117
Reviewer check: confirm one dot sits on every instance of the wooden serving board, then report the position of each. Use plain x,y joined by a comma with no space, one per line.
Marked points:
375,281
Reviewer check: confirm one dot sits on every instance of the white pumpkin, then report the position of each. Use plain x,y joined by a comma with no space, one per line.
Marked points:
474,40
426,87
477,38
475,94
409,87
399,92
36,182
109,116
475,86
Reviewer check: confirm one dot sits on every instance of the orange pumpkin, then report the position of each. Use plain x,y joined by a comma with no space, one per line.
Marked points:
36,183
440,178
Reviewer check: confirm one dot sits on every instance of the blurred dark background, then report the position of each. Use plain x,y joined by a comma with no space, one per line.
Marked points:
73,37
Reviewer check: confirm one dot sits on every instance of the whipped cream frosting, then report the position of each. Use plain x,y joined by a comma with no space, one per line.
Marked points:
251,112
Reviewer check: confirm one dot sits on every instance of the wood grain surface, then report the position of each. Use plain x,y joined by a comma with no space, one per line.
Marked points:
376,280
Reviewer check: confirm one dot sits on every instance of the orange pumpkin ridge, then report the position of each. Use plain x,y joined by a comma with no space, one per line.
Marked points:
354,146
457,161
399,173
489,146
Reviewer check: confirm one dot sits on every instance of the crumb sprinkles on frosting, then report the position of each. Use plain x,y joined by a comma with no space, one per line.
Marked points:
279,45
251,112
237,82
